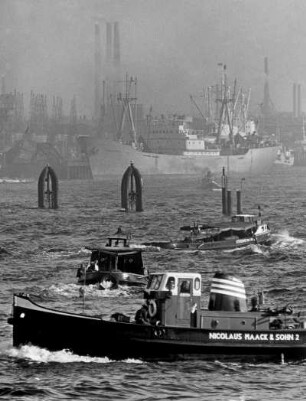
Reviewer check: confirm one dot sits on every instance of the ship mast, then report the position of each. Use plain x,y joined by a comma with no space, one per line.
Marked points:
225,114
126,108
198,108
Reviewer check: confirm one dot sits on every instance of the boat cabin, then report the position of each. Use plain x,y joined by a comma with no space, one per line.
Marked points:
174,299
113,258
244,218
123,262
118,242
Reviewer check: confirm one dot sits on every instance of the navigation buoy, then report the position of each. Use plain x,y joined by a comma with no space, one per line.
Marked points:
47,189
131,190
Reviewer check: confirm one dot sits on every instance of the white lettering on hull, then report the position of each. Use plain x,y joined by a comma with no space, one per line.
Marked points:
287,337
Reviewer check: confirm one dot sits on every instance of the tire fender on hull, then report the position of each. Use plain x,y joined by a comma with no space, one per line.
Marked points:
152,308
108,282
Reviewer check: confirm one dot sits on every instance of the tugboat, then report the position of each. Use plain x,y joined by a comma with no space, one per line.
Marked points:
241,231
113,264
172,324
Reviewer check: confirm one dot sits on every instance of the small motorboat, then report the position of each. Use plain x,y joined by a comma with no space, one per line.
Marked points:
176,321
241,231
208,183
113,264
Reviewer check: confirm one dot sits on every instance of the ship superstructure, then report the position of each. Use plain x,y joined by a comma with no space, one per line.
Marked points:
224,136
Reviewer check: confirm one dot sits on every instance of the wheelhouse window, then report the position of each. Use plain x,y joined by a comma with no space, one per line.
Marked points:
131,263
185,287
154,282
170,285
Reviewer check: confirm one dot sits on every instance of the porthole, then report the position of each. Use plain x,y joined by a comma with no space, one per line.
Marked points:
197,284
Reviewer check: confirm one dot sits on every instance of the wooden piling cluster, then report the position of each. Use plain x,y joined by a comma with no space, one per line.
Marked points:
227,197
48,189
131,190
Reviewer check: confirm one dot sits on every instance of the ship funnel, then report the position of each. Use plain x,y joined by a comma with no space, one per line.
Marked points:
227,294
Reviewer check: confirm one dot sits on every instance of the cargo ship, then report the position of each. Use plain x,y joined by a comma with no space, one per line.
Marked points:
224,137
109,157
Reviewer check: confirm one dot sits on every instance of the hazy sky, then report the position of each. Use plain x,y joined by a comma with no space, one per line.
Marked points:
172,46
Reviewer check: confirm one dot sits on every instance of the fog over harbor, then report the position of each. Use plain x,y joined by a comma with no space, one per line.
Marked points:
153,229
173,47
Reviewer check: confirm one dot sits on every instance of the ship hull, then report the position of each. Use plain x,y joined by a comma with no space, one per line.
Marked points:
112,158
210,245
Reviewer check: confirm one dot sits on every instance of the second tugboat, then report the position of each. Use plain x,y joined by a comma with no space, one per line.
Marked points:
241,231
113,264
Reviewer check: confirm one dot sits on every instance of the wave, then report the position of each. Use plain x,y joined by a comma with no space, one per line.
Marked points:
92,291
284,239
147,248
41,355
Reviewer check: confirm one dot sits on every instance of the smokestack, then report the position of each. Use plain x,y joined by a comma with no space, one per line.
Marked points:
299,100
108,42
2,85
116,54
267,108
294,100
221,78
98,66
219,88
266,66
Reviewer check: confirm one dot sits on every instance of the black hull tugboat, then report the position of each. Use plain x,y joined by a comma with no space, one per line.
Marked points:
113,264
241,231
171,325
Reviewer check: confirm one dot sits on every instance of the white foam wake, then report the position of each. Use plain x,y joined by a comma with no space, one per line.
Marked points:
283,238
42,355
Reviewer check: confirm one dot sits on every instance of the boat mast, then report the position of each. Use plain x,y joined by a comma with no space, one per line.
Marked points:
225,114
126,108
198,108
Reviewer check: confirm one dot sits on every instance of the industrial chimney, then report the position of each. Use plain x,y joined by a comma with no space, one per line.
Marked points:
98,66
108,42
296,97
116,54
299,100
294,100
267,103
266,66
2,85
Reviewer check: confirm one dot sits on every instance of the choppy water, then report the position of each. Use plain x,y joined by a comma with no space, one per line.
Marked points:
41,249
